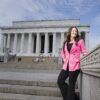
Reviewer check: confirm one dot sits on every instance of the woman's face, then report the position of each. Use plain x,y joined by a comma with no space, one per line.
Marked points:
74,32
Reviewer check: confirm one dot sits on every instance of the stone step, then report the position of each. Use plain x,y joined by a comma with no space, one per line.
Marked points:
33,78
31,66
8,96
28,63
31,90
29,83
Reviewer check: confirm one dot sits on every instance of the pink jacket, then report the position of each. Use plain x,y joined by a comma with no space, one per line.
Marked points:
74,56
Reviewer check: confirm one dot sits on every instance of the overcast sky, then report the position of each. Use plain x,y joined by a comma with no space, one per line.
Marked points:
88,11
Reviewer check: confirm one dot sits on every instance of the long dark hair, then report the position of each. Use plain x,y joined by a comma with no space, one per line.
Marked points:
77,38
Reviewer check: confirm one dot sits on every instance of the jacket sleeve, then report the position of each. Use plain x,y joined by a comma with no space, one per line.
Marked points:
83,48
63,54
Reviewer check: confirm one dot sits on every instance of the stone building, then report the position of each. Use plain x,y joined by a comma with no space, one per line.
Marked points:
30,38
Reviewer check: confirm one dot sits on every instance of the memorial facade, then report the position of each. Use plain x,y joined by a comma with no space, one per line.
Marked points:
31,38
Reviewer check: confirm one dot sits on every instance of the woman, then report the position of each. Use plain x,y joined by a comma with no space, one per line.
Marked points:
72,48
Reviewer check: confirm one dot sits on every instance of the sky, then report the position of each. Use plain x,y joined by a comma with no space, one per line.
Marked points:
88,11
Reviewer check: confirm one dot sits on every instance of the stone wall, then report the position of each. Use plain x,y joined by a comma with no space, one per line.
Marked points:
90,76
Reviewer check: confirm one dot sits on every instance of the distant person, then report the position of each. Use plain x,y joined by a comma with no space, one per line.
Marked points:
72,48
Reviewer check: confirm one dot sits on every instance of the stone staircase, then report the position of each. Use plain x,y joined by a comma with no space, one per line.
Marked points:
29,63
23,83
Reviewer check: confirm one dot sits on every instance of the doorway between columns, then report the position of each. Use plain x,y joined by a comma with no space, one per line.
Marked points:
50,43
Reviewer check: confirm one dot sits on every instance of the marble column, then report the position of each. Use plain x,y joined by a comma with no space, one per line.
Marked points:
8,41
30,43
87,40
5,48
15,43
4,42
46,43
62,38
38,43
1,42
22,43
33,43
54,43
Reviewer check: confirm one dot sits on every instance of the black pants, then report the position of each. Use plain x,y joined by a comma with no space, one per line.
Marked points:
68,90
